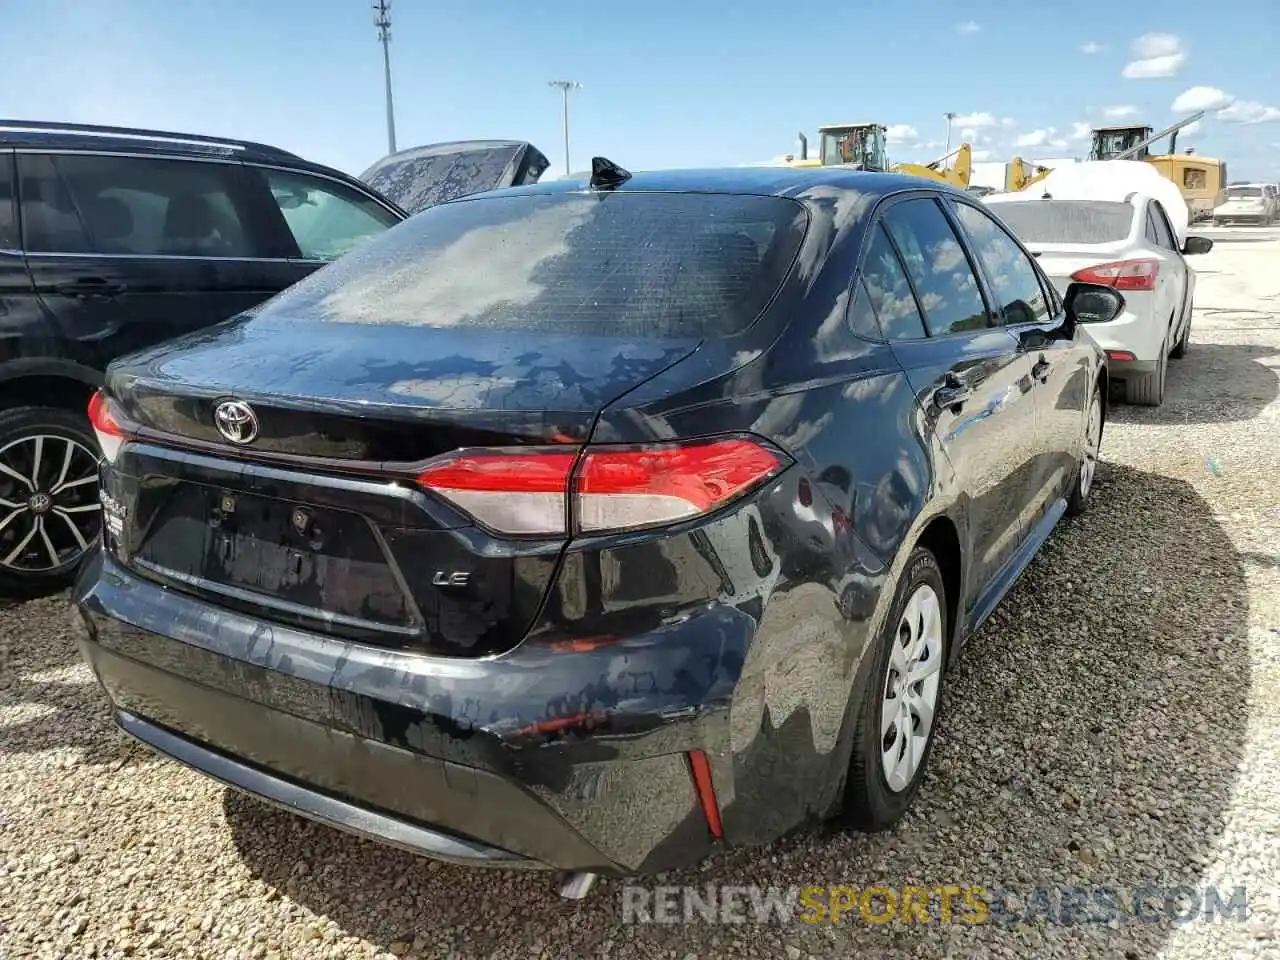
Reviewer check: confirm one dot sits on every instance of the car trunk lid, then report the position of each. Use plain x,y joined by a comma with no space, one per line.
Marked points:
278,460
1059,261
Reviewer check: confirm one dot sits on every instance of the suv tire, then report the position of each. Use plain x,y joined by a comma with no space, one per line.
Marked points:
48,475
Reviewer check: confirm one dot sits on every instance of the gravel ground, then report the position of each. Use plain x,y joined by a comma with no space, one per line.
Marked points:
1116,723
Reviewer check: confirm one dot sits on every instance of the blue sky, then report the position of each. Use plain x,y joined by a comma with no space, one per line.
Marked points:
665,83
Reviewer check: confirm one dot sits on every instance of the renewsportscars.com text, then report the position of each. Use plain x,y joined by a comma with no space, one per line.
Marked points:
945,903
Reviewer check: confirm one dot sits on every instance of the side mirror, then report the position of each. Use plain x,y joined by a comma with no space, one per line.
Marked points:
1092,303
1197,245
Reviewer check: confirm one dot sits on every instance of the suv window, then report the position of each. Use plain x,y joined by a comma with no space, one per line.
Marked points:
1014,278
326,218
939,269
133,206
642,265
8,215
889,292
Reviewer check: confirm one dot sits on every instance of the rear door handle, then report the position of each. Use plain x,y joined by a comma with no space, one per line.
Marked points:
90,287
1040,370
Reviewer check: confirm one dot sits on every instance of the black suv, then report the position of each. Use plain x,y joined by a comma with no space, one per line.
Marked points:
115,239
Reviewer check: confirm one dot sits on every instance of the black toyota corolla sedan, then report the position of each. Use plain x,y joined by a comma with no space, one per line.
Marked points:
593,525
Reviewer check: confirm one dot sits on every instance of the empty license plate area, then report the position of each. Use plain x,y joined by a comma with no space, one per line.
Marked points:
326,562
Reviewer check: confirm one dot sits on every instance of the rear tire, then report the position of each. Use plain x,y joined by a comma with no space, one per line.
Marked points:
1148,390
50,514
1180,350
882,783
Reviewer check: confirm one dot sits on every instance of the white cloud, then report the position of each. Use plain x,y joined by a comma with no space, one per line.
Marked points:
968,133
1058,144
1120,112
1155,55
1202,98
967,28
980,155
901,133
1249,111
1091,48
1189,129
1036,138
1152,45
975,120
1080,131
1007,122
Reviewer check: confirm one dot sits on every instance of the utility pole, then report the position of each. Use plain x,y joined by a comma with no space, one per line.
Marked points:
382,20
565,86
950,116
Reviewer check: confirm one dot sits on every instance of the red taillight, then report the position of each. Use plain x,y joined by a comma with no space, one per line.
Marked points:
530,492
1122,274
1123,355
111,435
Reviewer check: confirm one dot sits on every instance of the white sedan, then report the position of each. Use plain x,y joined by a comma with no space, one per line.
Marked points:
1129,245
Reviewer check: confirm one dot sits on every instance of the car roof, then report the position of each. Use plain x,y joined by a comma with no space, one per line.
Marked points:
797,183
35,134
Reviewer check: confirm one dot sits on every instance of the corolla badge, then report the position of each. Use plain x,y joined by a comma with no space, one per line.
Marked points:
236,421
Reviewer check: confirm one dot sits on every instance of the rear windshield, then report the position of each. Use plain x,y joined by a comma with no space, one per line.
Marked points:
1251,192
646,265
1066,221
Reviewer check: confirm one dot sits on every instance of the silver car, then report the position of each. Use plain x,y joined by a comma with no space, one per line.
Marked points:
1248,203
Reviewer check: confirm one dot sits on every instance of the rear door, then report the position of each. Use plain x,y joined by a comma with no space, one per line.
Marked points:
1173,288
128,251
19,311
972,379
1033,313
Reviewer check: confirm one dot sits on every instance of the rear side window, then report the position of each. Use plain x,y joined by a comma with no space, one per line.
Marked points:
8,209
939,269
1014,279
1067,221
327,219
132,206
643,265
1164,233
889,292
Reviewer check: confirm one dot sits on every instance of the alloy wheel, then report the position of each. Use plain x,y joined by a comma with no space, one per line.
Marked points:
911,686
49,508
1092,446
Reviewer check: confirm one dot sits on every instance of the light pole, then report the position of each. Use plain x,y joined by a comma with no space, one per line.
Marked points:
565,86
382,20
950,116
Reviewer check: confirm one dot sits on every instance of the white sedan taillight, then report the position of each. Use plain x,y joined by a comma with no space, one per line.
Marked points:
624,488
111,435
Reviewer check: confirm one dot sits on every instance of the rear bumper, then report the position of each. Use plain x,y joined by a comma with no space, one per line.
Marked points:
317,806
1135,331
413,750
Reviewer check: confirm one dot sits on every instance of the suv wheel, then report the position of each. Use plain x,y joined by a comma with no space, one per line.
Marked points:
50,514
897,716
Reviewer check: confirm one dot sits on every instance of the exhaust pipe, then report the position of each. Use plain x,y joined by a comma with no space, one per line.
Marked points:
804,146
576,886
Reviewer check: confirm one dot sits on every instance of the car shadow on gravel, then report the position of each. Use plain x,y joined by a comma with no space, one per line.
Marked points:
47,694
1090,738
1195,394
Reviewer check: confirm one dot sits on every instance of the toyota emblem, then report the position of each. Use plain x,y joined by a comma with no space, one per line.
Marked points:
236,421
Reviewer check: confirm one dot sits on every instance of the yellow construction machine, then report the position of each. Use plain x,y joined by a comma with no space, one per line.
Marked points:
862,147
1202,180
956,173
1021,174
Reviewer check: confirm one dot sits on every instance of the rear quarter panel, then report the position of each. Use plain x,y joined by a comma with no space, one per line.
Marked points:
833,527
